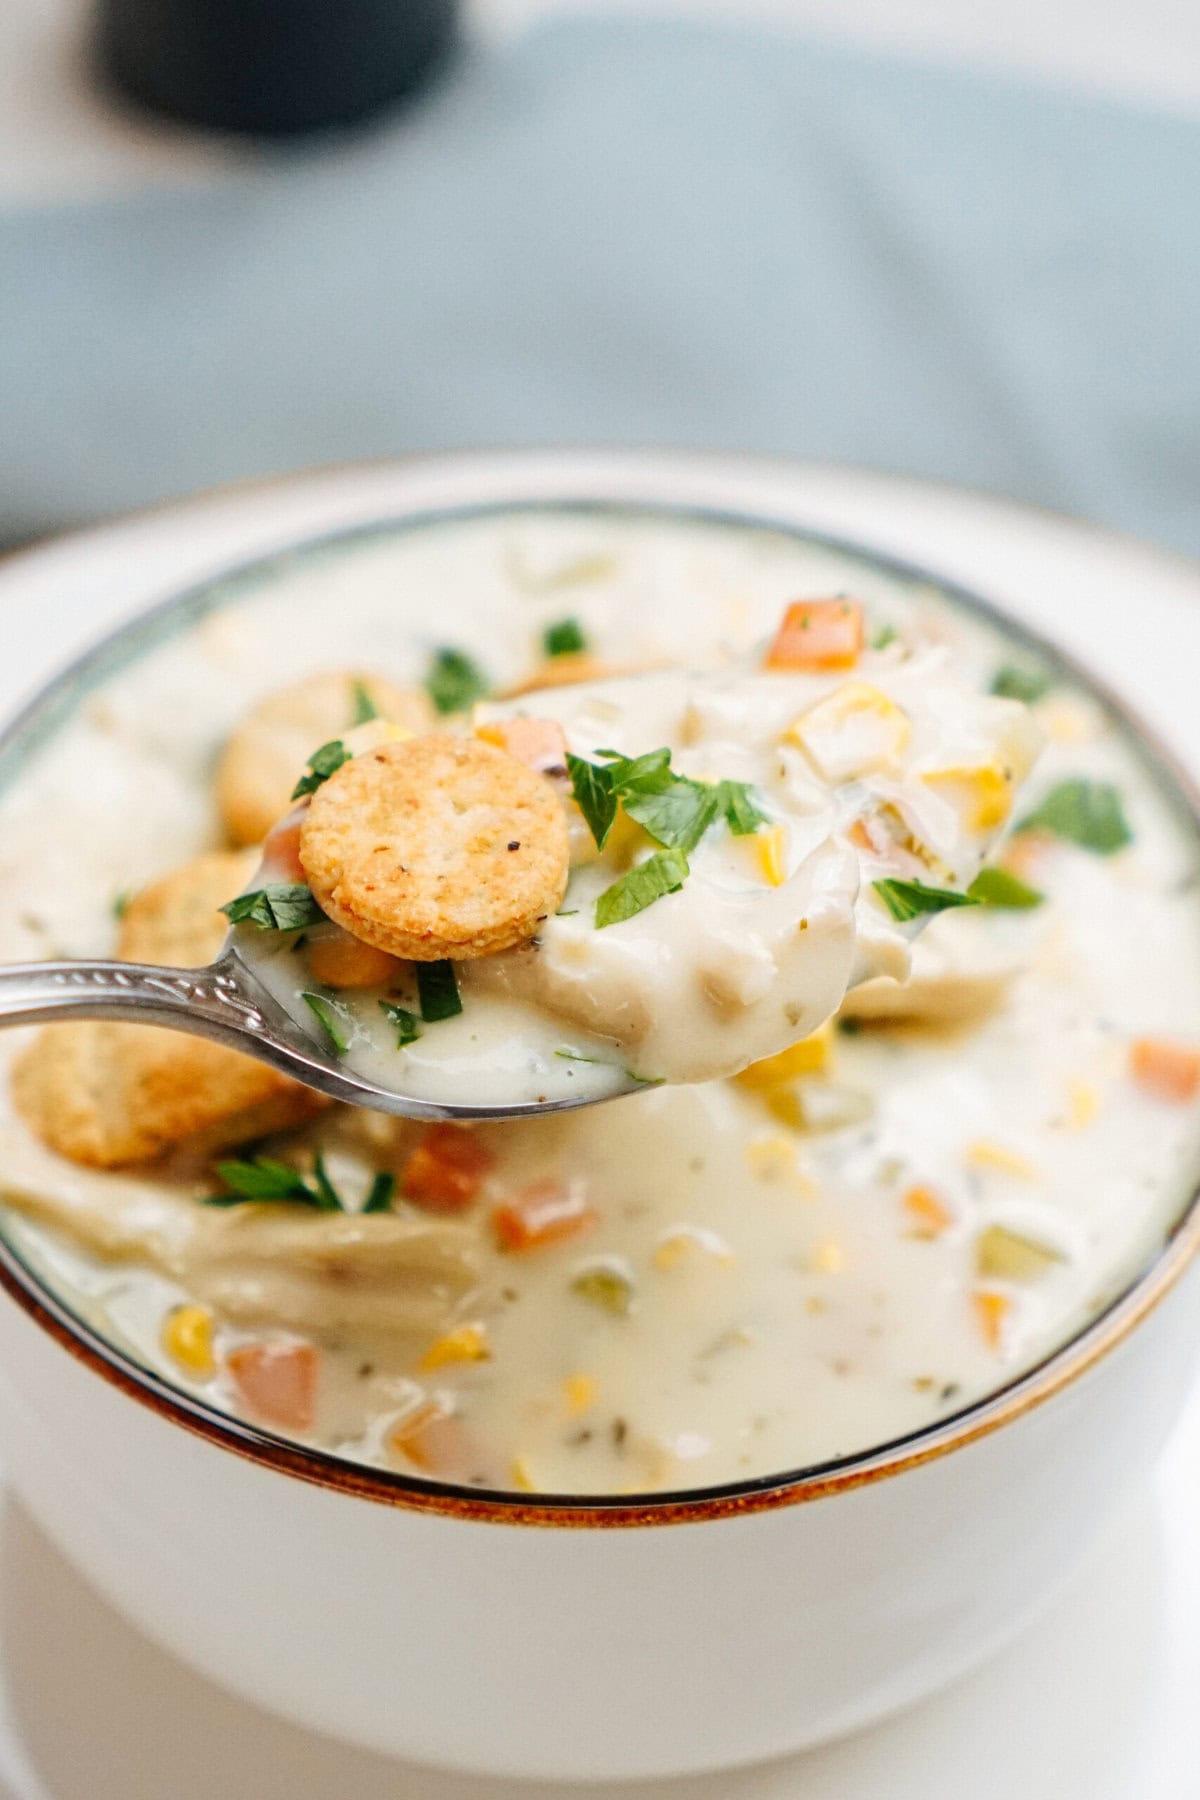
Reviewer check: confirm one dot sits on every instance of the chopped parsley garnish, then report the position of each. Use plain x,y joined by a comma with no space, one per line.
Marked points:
1028,685
906,899
454,682
673,809
365,708
564,638
676,814
321,765
885,635
578,1056
741,813
119,904
997,887
594,796
437,986
660,874
281,906
1087,813
265,1180
334,1019
408,1026
381,1194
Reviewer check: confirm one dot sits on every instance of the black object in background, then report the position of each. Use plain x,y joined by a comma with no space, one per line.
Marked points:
271,66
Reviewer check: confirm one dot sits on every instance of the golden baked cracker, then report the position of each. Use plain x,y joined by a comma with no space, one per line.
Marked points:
438,847
266,756
177,919
107,1094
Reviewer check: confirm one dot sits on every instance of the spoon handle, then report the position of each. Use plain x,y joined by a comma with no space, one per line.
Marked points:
208,1002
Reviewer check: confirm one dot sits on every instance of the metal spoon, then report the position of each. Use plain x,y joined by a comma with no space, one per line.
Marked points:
228,1004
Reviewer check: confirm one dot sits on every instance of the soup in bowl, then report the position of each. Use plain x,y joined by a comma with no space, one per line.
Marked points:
688,1307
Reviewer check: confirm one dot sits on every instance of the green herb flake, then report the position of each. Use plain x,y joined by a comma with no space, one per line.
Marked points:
676,814
334,1019
1087,813
663,873
408,1025
321,765
437,987
674,810
740,810
265,1180
906,899
284,906
1027,685
454,682
120,903
996,887
381,1194
595,796
565,638
885,635
364,708
606,1285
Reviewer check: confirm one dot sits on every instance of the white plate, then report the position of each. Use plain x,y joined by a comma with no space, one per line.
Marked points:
1097,1702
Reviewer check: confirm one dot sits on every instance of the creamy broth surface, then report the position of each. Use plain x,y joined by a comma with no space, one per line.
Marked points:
763,1273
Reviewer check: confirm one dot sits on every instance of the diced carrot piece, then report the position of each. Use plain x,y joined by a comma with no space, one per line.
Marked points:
1024,851
930,1215
277,1382
281,851
434,1441
1169,1071
538,742
818,634
546,1212
991,1311
445,1171
345,962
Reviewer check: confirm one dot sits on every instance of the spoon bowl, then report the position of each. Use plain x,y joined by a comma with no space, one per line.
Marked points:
226,1003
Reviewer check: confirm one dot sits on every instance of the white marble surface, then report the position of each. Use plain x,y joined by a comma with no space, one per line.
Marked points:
60,141
1096,1702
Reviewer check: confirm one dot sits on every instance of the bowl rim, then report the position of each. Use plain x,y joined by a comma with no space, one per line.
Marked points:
182,606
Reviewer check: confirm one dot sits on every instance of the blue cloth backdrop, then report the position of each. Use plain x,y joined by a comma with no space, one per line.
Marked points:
638,232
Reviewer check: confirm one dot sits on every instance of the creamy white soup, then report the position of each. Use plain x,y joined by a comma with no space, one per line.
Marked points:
859,1234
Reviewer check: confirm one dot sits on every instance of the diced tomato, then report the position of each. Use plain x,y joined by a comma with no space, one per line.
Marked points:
546,1212
818,634
991,1311
445,1171
930,1215
343,961
434,1441
538,742
1167,1070
277,1382
281,850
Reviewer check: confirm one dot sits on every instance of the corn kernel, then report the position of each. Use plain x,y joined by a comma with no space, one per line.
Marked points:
579,1391
991,1312
850,733
187,1337
522,1475
808,1057
466,1343
769,849
671,1250
827,1258
372,733
988,1155
1083,1105
984,794
772,1156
